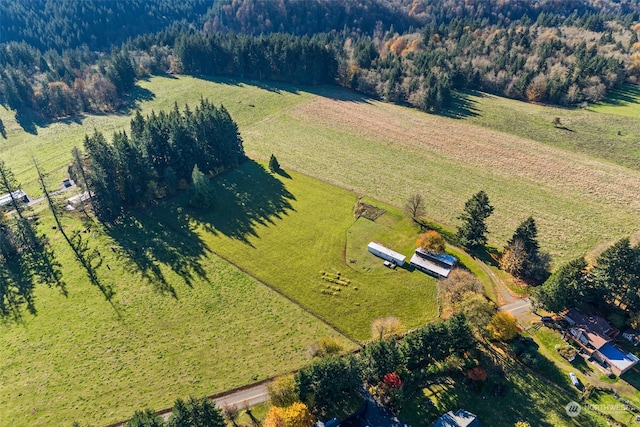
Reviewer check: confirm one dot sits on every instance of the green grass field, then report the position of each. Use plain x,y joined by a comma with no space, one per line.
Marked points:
579,184
287,231
624,101
82,358
606,131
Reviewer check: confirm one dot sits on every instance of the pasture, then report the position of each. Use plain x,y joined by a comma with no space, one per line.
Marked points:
624,101
182,322
605,131
296,234
579,183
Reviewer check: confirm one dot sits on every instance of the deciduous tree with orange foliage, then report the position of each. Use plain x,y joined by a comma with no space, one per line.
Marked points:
431,241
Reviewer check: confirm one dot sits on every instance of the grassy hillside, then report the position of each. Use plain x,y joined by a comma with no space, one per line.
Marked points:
390,152
574,182
607,131
182,322
287,231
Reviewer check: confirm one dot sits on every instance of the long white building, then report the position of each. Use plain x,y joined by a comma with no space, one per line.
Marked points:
386,253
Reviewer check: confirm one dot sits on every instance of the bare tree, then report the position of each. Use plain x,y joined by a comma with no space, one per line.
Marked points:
415,208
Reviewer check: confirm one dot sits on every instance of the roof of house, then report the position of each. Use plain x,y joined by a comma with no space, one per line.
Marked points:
616,357
593,339
5,199
429,266
589,322
461,418
446,259
383,249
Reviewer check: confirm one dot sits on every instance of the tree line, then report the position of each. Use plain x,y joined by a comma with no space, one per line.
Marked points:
610,283
417,54
162,153
192,412
278,57
56,85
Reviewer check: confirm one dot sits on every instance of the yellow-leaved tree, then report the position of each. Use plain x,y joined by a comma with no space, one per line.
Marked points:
503,326
274,418
385,327
296,415
282,391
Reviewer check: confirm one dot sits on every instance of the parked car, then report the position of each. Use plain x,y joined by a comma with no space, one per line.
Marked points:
546,319
574,379
390,264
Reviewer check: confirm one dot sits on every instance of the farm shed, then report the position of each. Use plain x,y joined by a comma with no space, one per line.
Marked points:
78,199
386,253
438,265
19,195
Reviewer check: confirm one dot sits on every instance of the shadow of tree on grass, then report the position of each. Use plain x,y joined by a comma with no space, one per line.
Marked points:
246,197
160,236
629,94
510,393
165,234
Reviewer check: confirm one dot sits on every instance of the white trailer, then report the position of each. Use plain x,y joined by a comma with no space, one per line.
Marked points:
386,253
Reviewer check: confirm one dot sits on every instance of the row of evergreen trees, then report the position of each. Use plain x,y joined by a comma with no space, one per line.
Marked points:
279,57
157,158
610,282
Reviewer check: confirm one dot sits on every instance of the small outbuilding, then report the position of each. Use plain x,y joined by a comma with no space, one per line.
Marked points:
19,195
386,253
435,264
78,199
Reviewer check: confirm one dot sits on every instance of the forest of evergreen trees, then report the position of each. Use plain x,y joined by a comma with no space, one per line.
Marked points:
402,51
157,158
69,24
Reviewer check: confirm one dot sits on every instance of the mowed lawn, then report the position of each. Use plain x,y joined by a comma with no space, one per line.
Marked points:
289,230
82,358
